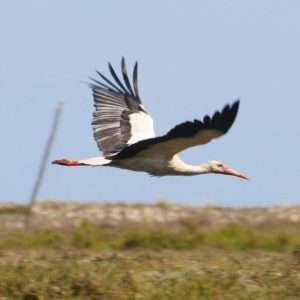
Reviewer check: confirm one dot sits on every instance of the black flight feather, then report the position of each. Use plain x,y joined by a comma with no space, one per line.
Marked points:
116,78
135,81
221,121
125,77
109,82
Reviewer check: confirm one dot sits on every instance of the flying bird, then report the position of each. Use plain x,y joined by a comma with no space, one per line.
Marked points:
124,132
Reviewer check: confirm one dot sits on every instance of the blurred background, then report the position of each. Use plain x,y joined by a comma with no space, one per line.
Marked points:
193,56
146,238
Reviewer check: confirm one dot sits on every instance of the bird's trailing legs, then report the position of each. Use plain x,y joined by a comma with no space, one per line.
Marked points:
67,162
93,161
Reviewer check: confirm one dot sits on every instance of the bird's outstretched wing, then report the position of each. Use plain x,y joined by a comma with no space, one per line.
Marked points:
119,119
184,135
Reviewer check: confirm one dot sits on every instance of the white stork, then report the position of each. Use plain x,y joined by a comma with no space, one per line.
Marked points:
124,131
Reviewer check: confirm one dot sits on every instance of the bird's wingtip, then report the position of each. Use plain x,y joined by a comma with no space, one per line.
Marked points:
236,102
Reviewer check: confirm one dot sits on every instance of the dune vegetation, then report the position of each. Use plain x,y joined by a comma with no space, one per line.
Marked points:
185,258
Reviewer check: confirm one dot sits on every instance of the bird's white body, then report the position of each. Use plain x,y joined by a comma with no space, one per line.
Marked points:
159,166
124,132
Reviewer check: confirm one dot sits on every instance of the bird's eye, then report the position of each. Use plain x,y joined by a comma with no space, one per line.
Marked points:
219,165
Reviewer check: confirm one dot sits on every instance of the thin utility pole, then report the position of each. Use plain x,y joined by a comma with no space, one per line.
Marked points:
44,161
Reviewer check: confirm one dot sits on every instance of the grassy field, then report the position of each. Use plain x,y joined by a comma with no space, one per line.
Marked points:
186,259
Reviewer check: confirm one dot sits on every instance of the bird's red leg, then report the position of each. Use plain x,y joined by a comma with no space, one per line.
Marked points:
67,162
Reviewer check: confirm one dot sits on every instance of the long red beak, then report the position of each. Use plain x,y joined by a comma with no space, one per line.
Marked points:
228,171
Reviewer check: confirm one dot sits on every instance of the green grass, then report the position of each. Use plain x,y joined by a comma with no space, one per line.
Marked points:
90,236
168,274
15,209
182,261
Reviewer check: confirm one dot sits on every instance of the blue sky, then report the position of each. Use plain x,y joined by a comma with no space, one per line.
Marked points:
194,57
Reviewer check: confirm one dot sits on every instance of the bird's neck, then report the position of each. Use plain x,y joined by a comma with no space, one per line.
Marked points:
182,168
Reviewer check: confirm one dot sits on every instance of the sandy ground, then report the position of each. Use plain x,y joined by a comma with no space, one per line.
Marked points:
60,214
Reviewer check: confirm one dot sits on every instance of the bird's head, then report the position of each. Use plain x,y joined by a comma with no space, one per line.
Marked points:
218,167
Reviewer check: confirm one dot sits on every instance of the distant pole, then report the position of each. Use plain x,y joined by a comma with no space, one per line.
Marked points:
44,161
